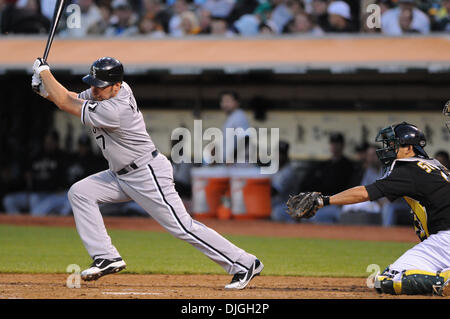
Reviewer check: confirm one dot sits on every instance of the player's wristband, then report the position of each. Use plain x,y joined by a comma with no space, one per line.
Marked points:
326,200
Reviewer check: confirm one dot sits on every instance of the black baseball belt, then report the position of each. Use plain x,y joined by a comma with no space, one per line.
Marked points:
133,166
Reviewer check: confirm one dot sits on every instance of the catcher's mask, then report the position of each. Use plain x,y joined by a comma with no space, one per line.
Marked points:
446,112
398,135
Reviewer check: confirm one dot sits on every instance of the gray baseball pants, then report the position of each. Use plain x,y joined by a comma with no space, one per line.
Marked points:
152,187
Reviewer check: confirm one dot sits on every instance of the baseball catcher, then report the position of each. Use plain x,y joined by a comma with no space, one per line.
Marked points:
425,185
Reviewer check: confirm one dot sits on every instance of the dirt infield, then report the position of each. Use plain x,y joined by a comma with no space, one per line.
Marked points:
120,286
126,286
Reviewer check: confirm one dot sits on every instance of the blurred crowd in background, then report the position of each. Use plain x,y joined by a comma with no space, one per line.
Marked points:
228,18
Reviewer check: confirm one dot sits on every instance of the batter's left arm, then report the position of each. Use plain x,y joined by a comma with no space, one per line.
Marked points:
73,94
57,93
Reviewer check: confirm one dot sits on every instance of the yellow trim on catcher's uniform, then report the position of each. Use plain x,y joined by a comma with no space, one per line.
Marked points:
420,212
418,272
397,287
445,274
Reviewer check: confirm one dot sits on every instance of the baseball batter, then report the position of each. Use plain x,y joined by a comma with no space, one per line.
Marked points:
137,171
425,184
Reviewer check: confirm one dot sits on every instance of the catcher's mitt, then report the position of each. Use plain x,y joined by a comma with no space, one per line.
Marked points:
305,205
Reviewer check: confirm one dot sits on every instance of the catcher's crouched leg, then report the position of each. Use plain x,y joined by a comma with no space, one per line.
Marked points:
414,282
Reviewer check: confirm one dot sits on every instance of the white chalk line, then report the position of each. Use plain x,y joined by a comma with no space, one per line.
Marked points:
130,293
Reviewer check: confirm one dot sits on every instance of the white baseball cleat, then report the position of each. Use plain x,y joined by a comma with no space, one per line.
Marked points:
101,267
241,279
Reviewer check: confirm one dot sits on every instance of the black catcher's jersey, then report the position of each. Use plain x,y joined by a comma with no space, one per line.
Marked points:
425,185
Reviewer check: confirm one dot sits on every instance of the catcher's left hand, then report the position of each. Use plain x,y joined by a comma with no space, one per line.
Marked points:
305,205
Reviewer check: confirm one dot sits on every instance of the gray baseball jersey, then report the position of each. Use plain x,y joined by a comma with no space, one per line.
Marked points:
138,172
118,127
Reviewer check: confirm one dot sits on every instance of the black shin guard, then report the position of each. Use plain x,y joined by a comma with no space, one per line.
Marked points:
413,282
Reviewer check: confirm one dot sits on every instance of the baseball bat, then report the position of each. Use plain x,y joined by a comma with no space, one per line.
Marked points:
56,17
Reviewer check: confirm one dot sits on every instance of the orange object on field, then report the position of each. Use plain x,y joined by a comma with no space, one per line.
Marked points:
250,194
209,185
224,210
